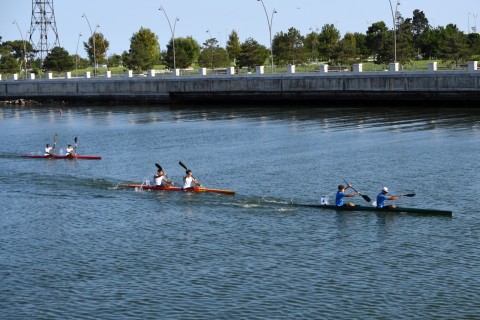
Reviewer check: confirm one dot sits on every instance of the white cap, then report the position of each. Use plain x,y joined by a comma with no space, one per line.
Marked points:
385,189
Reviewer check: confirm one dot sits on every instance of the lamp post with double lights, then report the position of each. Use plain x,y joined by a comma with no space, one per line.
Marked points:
269,22
474,29
24,48
93,33
394,19
172,31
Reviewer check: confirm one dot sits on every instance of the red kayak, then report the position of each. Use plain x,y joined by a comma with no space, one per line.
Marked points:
169,188
78,156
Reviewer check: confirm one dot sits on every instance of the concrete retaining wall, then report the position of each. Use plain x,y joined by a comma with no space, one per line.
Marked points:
316,87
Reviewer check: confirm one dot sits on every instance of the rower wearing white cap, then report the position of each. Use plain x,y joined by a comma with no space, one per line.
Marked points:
382,199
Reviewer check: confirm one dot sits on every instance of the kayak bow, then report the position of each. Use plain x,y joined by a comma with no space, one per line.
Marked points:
169,188
78,156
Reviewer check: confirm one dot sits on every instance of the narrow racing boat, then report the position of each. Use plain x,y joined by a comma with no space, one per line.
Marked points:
374,209
169,188
78,156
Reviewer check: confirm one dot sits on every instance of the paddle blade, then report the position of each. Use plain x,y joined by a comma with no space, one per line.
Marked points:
158,166
367,198
409,195
184,166
75,140
55,138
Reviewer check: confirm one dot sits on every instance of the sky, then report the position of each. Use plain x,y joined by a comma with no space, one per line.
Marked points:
203,19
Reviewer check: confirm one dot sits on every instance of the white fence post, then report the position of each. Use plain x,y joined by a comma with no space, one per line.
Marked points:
472,65
394,67
357,67
260,69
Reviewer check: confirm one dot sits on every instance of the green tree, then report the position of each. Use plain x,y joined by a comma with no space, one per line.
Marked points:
8,63
346,50
376,38
187,51
454,45
327,40
17,50
361,44
474,44
253,54
115,60
289,48
406,50
419,26
233,47
430,42
144,51
101,46
212,55
58,60
311,45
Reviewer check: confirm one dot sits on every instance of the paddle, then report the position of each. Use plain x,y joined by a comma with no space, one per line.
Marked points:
366,198
55,139
75,144
409,195
185,167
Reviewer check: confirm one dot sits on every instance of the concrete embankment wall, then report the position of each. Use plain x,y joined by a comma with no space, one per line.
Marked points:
348,88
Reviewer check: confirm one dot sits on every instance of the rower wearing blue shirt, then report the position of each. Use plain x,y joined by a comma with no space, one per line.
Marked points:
341,194
382,199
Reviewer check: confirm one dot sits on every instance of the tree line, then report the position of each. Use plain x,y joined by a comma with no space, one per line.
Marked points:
415,39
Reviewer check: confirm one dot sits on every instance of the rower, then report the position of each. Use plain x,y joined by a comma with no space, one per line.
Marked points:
188,179
382,198
161,179
339,202
71,152
49,150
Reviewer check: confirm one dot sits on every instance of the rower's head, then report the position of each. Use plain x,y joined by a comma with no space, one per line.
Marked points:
385,190
189,172
69,146
47,145
341,187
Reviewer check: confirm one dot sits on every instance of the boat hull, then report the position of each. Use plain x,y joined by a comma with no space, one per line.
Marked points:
169,188
78,156
391,210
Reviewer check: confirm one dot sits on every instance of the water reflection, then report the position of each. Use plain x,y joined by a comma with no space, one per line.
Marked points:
394,119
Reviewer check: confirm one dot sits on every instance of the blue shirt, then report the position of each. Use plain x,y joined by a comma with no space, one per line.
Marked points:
339,199
381,199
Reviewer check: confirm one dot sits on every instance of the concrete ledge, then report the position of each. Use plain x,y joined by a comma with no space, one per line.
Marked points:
339,87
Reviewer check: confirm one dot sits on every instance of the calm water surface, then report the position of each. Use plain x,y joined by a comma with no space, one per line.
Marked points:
74,244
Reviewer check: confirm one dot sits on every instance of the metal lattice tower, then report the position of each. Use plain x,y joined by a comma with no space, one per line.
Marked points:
43,26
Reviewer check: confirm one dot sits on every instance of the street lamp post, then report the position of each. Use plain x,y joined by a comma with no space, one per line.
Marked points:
76,56
208,31
269,22
172,31
24,49
394,19
93,33
474,29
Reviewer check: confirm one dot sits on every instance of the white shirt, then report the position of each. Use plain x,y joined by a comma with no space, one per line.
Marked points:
158,180
48,150
69,150
187,182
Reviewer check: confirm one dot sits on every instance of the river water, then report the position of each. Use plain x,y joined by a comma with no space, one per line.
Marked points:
75,244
